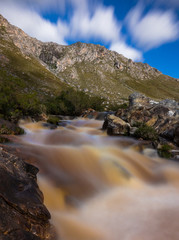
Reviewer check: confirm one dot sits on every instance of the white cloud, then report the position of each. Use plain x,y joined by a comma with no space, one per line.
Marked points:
38,5
127,51
88,21
33,24
101,25
153,29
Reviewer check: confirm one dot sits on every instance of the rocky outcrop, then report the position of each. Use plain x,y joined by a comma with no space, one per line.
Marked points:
137,99
23,214
148,120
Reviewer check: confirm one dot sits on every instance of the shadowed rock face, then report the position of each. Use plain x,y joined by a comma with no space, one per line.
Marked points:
23,214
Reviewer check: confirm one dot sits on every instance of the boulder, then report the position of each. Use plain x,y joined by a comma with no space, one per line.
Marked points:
172,104
23,214
116,126
138,99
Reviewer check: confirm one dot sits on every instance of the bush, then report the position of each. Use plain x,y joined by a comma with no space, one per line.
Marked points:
53,120
3,140
19,131
14,105
146,132
72,102
137,124
123,106
164,151
18,99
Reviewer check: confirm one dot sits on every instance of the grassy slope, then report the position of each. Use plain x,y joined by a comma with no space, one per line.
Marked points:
26,73
119,85
159,88
28,88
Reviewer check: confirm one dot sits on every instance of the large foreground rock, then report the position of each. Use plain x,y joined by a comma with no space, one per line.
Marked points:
23,215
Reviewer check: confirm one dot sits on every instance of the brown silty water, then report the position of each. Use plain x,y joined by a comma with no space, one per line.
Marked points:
98,188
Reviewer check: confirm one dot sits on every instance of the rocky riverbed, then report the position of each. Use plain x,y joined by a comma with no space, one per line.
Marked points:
146,119
145,125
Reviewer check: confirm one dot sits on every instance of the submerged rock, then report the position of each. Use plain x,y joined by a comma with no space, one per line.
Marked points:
23,214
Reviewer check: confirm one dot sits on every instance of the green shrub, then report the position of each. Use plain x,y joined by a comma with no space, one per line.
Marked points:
137,124
53,120
146,132
19,131
123,106
5,130
164,151
3,140
72,102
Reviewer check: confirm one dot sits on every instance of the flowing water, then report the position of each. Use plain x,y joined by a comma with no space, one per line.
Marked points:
99,188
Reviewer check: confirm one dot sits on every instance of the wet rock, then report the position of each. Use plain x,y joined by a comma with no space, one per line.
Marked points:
92,114
89,113
23,214
176,135
133,130
49,125
7,127
150,152
116,126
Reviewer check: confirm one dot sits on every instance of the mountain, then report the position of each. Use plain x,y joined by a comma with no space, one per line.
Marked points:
45,69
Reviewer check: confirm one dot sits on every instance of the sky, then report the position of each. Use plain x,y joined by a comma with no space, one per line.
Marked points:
142,30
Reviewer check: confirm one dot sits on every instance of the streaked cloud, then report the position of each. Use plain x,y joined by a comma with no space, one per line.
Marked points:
100,25
89,20
39,5
153,28
33,24
126,50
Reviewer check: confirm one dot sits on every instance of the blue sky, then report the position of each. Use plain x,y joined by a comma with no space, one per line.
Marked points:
143,30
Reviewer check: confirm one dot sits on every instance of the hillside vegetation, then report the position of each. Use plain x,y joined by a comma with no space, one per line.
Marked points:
38,77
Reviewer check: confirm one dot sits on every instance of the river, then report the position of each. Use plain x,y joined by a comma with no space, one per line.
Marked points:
98,187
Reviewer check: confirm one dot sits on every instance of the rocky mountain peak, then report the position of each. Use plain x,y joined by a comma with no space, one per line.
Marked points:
90,67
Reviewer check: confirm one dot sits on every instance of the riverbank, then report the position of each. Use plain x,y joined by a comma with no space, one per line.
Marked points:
96,185
91,172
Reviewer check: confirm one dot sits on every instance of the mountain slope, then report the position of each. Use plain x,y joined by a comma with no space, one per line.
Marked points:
47,68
